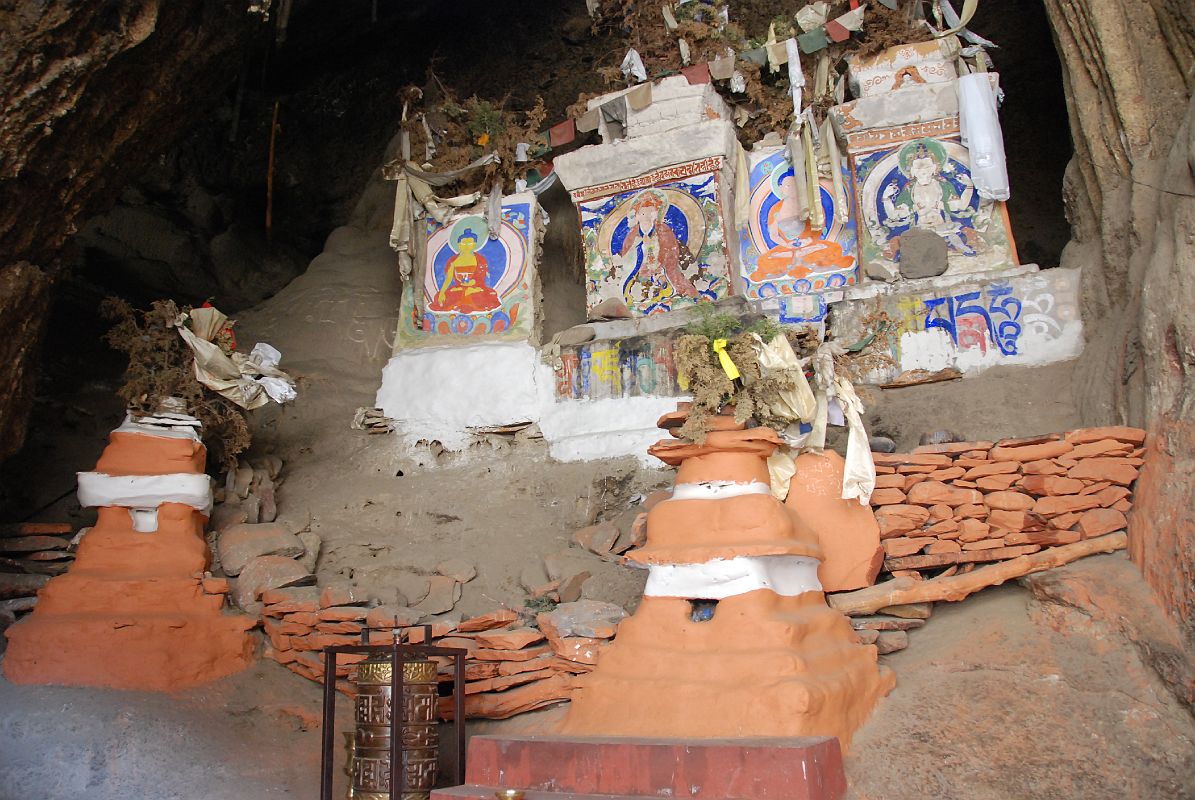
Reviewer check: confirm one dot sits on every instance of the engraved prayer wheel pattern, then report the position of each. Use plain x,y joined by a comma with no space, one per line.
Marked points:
420,738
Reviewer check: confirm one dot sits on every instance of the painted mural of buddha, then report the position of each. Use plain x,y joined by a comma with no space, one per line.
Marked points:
798,250
465,288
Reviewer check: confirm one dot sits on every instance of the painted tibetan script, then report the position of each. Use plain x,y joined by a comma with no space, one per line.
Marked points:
782,254
656,248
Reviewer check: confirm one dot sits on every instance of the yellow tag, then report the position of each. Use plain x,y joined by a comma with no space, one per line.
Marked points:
682,380
484,139
728,366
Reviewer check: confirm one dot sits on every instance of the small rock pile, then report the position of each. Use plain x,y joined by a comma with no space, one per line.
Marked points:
30,554
252,548
514,663
947,507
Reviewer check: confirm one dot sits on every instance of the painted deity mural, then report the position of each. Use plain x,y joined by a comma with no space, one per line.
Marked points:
474,286
657,242
781,254
926,183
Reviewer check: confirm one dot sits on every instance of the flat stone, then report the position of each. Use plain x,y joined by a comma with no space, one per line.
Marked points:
267,572
1104,447
311,549
1112,495
890,482
1030,452
881,444
514,639
884,497
940,512
1043,466
984,544
599,539
930,493
578,334
946,529
1051,485
867,635
570,587
1008,501
972,530
588,618
225,515
340,594
1013,520
878,623
1113,470
1121,433
995,483
298,600
342,614
991,468
920,611
415,588
391,616
905,546
1099,521
485,622
891,641
1064,504
442,594
239,544
971,511
1046,538
923,254
893,520
459,570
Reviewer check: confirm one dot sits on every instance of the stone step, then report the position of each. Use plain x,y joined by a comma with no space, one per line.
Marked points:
702,769
473,792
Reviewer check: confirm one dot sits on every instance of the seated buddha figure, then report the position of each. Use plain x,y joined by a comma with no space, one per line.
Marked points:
798,250
465,289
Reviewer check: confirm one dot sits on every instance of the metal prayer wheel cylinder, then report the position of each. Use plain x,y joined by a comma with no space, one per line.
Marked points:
370,762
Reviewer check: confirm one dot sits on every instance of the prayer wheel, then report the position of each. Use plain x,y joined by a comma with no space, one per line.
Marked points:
370,761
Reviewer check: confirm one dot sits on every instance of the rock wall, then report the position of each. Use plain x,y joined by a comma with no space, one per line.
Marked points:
80,118
1129,70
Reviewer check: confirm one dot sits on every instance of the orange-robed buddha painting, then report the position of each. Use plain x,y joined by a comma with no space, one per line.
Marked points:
783,254
475,284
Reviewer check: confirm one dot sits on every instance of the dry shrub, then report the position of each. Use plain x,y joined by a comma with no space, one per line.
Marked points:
161,365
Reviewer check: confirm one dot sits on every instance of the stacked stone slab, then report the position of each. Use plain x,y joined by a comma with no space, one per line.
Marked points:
135,610
952,506
772,659
510,666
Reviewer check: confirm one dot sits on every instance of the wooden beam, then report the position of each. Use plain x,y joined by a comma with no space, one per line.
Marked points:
907,590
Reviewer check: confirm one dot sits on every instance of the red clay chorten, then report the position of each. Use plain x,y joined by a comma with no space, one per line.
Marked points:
132,612
773,660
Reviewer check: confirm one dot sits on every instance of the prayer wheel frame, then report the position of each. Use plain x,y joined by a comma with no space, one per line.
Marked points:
399,654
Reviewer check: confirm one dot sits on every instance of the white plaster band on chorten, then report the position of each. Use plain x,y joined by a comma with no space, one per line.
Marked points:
163,427
145,491
716,580
717,490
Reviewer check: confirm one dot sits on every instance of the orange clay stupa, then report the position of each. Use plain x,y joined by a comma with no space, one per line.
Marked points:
733,637
134,611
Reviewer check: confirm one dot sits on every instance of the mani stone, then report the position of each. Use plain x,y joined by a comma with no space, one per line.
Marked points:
923,254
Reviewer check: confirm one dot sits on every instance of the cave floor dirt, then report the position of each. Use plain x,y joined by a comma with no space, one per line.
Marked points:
1000,697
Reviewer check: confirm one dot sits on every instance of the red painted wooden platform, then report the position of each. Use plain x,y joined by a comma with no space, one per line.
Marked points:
601,768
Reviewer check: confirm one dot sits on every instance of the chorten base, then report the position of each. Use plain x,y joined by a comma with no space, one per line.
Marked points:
764,665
